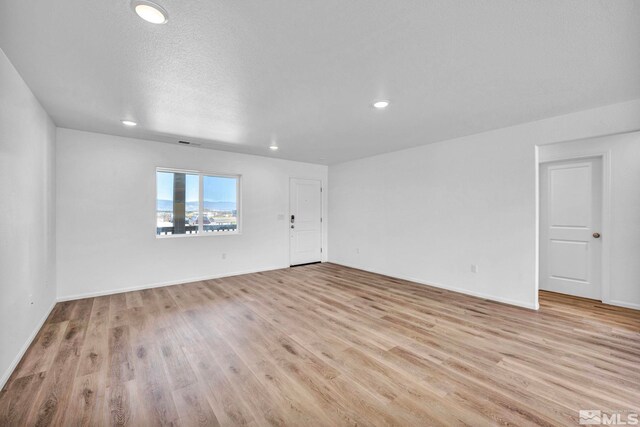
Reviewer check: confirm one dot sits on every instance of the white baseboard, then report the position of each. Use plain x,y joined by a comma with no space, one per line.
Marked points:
25,347
161,284
624,304
516,303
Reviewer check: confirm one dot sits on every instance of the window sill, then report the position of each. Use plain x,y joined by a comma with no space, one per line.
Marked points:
182,236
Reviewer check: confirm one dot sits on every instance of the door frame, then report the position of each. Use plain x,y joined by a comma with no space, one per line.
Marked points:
322,215
605,157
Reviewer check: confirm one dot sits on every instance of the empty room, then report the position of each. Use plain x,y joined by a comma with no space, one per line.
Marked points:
319,213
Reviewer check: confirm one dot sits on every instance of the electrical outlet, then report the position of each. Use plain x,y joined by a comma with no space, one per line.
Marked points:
474,268
358,250
224,255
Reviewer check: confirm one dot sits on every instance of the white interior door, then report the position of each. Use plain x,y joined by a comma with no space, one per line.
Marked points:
305,221
570,221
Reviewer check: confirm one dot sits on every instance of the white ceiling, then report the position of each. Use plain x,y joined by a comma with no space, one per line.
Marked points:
233,74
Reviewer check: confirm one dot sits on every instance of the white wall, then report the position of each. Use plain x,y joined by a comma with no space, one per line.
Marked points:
623,237
106,214
27,216
428,213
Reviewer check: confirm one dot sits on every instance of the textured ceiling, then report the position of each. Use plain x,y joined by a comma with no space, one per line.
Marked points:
235,74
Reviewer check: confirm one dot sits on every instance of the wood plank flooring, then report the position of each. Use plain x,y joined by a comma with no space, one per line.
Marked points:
323,345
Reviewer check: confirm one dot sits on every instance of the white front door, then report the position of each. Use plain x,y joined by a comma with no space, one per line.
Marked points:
570,221
305,221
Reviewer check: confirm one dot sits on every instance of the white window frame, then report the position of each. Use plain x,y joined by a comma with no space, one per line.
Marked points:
201,175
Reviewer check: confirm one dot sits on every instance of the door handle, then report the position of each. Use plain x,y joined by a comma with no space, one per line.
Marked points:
293,219
596,235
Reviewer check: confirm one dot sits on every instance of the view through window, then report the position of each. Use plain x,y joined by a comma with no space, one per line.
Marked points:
190,202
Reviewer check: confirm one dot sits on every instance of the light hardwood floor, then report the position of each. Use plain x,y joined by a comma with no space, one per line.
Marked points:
323,345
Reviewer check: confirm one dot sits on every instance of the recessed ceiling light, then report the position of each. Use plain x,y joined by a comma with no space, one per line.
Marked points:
273,147
381,104
150,11
129,123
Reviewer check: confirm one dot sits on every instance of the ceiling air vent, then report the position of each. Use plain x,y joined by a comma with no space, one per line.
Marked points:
188,143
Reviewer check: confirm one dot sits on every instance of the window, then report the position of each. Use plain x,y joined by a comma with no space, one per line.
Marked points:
195,203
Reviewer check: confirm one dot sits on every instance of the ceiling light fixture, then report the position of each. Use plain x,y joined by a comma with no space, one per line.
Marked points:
129,123
381,104
150,11
273,147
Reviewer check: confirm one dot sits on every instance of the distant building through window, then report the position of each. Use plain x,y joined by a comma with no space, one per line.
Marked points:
192,203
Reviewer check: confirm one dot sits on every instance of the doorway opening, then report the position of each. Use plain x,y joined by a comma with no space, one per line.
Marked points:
572,226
